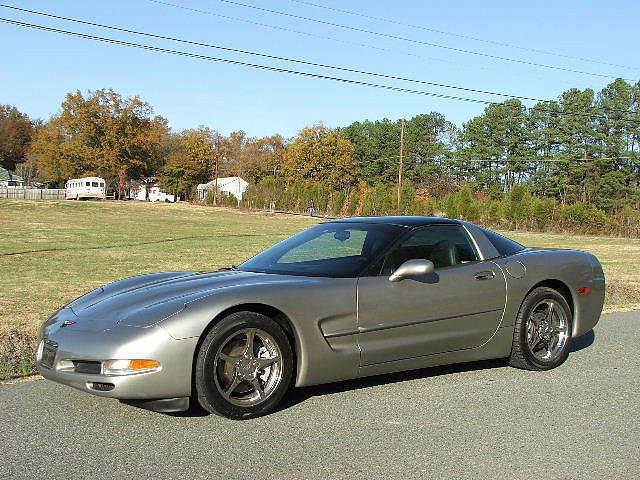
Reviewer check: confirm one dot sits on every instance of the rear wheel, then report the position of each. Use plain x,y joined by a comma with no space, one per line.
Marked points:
244,366
542,335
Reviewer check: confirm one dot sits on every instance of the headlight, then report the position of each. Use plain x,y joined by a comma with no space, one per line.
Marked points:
39,351
128,367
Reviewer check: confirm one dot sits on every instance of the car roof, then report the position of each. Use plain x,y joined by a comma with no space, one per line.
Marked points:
405,221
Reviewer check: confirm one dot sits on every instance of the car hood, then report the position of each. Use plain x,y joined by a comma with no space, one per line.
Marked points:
148,299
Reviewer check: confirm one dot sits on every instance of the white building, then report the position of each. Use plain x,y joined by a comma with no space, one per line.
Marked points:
154,195
235,186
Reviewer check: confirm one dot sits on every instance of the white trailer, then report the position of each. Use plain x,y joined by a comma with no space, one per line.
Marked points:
86,187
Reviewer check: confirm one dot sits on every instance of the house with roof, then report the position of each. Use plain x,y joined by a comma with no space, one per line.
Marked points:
8,179
235,186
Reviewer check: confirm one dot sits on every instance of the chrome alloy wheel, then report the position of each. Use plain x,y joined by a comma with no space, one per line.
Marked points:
248,367
547,329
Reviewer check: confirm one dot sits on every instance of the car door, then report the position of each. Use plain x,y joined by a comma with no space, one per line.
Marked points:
458,306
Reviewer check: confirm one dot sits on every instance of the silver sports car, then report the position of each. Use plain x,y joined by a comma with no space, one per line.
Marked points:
343,299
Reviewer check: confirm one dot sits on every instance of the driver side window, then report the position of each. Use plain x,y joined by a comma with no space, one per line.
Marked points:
444,245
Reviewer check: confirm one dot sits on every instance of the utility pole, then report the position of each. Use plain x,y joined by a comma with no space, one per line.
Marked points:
400,166
215,191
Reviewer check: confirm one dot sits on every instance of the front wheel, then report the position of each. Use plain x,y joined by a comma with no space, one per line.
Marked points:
244,366
542,335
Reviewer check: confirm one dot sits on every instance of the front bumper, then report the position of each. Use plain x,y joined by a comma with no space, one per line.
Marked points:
171,380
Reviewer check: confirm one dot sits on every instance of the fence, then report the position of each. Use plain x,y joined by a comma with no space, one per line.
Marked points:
32,193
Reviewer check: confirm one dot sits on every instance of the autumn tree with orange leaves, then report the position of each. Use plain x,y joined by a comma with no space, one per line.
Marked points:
102,134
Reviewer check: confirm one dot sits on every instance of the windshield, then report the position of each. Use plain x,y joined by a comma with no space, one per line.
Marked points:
327,250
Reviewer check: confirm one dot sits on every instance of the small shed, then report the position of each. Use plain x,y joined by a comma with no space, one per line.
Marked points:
235,186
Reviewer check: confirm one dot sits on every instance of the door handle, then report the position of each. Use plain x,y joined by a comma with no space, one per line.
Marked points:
484,275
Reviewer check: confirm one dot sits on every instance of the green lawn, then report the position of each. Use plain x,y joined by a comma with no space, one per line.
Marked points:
54,251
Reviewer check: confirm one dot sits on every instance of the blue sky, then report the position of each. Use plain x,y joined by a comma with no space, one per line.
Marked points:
38,68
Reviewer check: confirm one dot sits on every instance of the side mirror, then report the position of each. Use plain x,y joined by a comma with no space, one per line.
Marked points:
414,267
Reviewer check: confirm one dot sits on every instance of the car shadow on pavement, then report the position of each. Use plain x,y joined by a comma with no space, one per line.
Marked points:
583,341
299,395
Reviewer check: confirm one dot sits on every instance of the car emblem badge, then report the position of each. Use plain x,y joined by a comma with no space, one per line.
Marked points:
66,323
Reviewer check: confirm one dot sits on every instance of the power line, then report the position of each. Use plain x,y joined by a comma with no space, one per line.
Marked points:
299,73
420,42
245,64
284,29
521,160
460,162
304,62
322,37
273,57
459,35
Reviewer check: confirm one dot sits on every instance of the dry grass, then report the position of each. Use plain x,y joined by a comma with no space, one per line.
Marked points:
17,346
619,257
53,251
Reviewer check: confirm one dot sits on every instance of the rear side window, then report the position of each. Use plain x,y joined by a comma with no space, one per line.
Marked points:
504,245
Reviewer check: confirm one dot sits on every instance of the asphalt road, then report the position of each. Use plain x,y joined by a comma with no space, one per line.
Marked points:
478,420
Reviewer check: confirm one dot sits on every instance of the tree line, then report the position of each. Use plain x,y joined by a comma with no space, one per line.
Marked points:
581,149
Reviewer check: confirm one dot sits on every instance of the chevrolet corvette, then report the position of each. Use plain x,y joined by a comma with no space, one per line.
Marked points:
343,299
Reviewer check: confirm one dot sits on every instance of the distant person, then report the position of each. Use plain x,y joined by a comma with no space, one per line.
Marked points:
312,208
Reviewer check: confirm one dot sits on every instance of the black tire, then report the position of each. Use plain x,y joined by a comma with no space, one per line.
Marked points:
224,361
538,344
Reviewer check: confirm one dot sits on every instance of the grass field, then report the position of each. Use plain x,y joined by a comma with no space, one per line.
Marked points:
54,251
619,258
